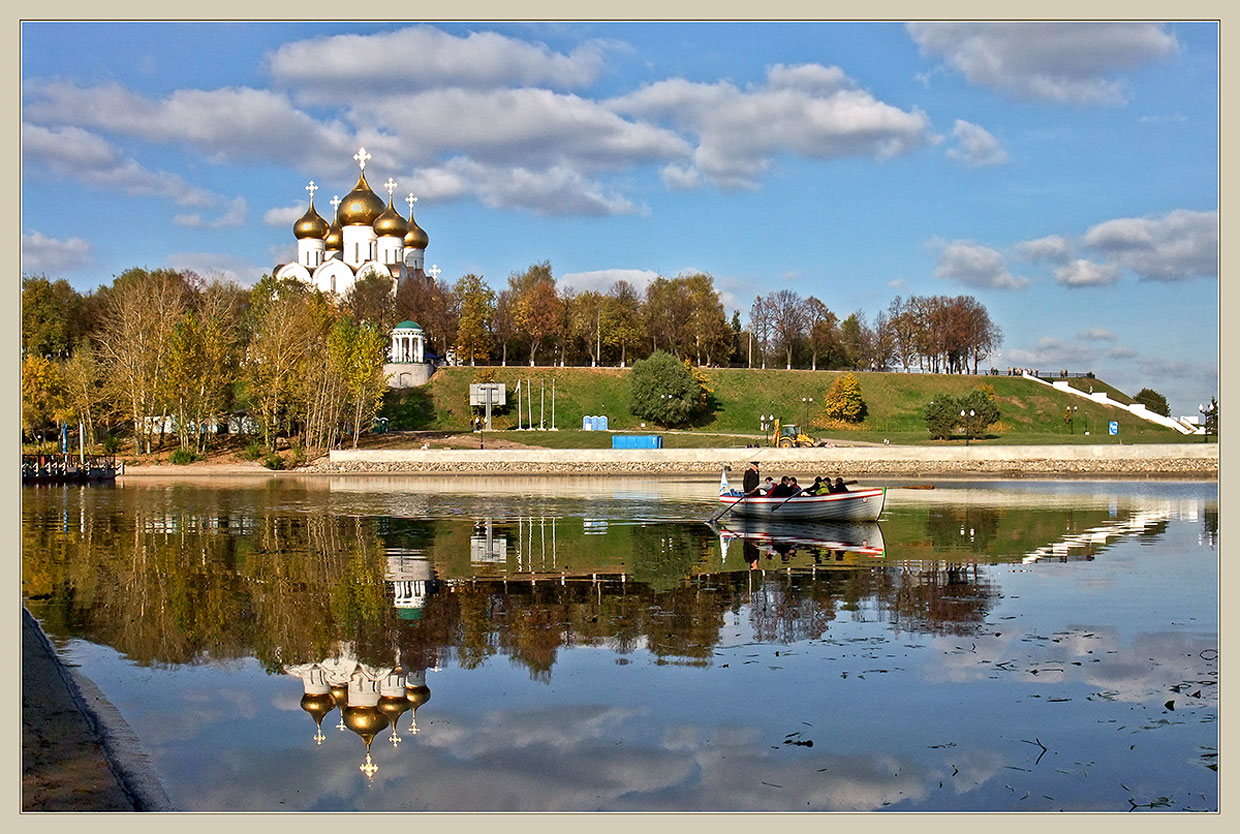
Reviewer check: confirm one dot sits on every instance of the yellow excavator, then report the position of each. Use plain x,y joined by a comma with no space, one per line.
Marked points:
788,435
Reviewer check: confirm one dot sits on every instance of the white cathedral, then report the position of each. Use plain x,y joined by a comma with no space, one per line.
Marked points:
366,236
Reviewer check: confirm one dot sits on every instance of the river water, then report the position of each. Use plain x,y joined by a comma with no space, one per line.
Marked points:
543,644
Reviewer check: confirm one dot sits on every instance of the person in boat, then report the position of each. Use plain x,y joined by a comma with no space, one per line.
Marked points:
794,486
839,486
751,482
815,487
781,490
767,486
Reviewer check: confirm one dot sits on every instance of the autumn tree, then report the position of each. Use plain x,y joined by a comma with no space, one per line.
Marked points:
622,319
788,321
476,302
761,324
537,308
372,299
51,317
586,324
844,401
43,393
823,329
283,330
666,390
84,392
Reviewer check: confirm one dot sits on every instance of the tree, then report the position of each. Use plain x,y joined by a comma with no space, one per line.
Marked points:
476,301
844,401
536,309
942,415
980,410
788,320
666,390
622,319
822,325
83,387
586,324
42,393
143,308
372,298
668,310
284,329
1153,401
857,341
51,317
358,354
761,322
708,325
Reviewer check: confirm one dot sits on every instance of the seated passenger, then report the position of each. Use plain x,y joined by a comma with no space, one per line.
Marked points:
839,486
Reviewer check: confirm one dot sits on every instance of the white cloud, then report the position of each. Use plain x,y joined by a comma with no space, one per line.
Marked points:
1053,248
343,67
680,177
43,254
602,280
233,216
1083,273
809,110
228,124
1096,334
218,265
1176,246
558,190
89,159
976,266
1065,63
977,146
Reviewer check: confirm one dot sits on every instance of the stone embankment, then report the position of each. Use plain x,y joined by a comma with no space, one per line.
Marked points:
1122,461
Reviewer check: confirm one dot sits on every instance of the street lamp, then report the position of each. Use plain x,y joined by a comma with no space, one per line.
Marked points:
807,401
1070,413
968,424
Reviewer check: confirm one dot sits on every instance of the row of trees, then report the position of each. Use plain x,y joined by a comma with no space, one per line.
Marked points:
936,334
167,351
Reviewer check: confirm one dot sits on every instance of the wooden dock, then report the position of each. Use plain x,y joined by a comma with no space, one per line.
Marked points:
66,469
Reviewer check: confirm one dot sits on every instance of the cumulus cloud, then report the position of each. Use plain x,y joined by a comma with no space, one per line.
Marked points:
1097,334
351,66
810,110
233,216
976,146
43,254
1083,273
1053,248
602,280
558,190
1063,63
228,124
978,266
1176,246
90,159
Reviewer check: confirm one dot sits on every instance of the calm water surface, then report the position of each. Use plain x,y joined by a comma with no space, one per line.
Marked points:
582,644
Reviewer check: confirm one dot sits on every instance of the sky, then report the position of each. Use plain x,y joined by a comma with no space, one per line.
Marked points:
1064,175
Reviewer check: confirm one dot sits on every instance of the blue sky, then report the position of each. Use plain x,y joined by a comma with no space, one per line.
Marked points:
1064,175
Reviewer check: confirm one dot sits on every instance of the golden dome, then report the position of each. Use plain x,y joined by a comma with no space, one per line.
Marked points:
318,705
311,225
417,695
365,721
390,223
334,241
360,206
392,707
340,694
416,238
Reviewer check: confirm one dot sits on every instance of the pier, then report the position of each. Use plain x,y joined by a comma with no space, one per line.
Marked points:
64,468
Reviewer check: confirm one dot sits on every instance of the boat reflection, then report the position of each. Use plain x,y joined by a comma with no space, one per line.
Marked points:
820,540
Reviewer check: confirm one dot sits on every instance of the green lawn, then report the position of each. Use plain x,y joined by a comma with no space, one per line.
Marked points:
1030,413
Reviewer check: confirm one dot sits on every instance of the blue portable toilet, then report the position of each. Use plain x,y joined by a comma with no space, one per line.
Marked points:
600,423
587,424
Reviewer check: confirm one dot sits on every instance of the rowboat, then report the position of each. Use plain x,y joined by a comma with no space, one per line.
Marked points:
858,505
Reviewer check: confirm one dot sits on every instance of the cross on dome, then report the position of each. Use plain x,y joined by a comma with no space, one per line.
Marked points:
312,188
336,201
434,271
410,200
362,157
390,185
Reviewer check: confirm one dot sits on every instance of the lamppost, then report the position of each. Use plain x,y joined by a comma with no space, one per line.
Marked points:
1210,414
807,401
1070,413
968,424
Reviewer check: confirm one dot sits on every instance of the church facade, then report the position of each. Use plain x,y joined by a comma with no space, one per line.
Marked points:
365,236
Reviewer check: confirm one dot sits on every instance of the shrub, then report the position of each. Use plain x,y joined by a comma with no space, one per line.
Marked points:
667,391
181,457
1154,401
253,451
844,401
111,444
941,414
273,461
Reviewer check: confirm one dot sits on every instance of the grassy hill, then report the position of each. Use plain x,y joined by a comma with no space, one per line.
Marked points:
1030,412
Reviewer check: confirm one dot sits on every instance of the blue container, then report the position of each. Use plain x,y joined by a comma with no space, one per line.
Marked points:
637,441
600,423
587,424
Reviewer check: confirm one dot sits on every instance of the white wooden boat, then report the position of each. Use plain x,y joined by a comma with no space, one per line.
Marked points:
857,505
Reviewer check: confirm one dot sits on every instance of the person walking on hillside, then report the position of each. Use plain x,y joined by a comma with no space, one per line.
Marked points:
750,484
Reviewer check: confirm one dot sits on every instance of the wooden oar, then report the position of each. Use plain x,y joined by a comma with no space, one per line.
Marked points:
729,508
918,486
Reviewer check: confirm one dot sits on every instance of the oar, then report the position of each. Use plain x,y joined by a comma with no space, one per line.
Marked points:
918,486
727,510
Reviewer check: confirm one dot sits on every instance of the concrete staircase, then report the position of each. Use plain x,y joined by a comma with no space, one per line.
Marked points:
1182,425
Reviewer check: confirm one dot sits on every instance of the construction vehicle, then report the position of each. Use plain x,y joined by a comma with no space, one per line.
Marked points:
788,435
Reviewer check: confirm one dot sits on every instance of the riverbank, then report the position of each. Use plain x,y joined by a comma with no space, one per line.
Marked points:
76,750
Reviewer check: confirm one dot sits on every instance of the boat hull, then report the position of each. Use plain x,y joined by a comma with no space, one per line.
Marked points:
859,505
863,537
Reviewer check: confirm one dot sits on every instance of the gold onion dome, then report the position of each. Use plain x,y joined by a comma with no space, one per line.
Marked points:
417,695
334,241
318,705
390,223
360,206
310,226
393,707
365,721
416,237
